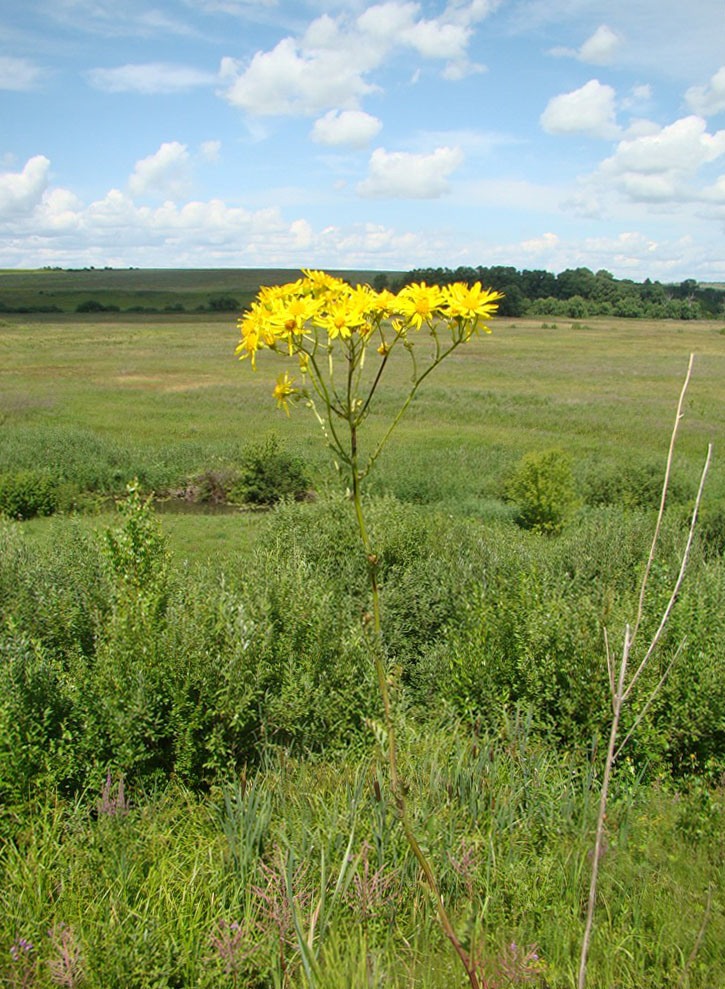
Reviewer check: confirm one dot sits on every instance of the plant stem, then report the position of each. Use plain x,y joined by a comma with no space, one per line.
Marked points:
397,786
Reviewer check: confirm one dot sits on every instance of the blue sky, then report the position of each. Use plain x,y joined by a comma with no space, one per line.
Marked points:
245,133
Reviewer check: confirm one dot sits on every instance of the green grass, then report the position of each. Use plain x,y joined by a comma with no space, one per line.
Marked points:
169,395
153,288
246,675
141,887
193,536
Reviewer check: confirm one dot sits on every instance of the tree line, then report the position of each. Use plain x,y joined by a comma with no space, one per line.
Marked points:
578,293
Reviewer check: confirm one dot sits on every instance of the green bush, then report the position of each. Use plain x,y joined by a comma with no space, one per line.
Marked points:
542,487
632,485
27,493
113,658
268,473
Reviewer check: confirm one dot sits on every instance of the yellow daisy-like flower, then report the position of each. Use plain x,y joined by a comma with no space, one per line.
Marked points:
417,303
342,316
470,301
290,314
321,282
255,331
283,390
382,303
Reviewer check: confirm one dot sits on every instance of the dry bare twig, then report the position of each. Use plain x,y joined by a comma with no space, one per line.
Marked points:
620,684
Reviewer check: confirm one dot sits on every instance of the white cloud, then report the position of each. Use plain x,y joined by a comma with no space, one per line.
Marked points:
601,47
434,39
401,175
710,99
329,64
150,78
21,192
659,166
543,245
19,74
288,80
589,110
353,128
114,230
164,173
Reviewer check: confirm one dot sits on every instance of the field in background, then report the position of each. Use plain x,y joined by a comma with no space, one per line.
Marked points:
104,397
234,696
153,288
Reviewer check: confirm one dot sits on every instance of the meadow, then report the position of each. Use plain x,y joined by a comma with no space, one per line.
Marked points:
190,787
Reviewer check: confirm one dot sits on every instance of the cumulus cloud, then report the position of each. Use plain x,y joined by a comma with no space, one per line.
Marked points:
150,78
710,99
19,74
289,80
599,49
589,110
328,66
164,173
658,166
402,175
21,192
353,128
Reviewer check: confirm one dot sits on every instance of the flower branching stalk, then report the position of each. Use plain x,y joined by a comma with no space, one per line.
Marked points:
341,337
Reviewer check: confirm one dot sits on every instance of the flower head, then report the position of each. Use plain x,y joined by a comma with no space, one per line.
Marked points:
470,302
343,314
283,391
418,303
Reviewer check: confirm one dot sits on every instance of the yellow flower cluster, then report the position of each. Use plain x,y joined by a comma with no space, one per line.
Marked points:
319,311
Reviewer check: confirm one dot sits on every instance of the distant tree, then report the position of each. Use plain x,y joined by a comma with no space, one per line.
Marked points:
513,303
576,281
576,307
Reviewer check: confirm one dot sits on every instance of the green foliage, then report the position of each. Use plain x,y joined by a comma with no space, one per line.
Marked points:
542,487
224,303
631,484
169,888
136,550
268,473
94,306
160,670
579,292
27,493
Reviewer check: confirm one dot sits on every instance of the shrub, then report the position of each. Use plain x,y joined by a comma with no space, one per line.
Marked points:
631,485
269,473
542,487
27,493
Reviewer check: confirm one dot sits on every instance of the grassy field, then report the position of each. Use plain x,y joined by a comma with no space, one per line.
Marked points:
132,287
165,398
191,787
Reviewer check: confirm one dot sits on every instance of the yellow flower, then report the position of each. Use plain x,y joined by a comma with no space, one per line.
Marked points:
383,302
342,315
417,303
470,301
289,314
283,390
255,332
321,282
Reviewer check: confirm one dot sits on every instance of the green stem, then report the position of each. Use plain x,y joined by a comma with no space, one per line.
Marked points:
440,356
398,788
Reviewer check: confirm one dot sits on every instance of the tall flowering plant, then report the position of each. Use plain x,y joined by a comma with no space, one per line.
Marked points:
339,339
